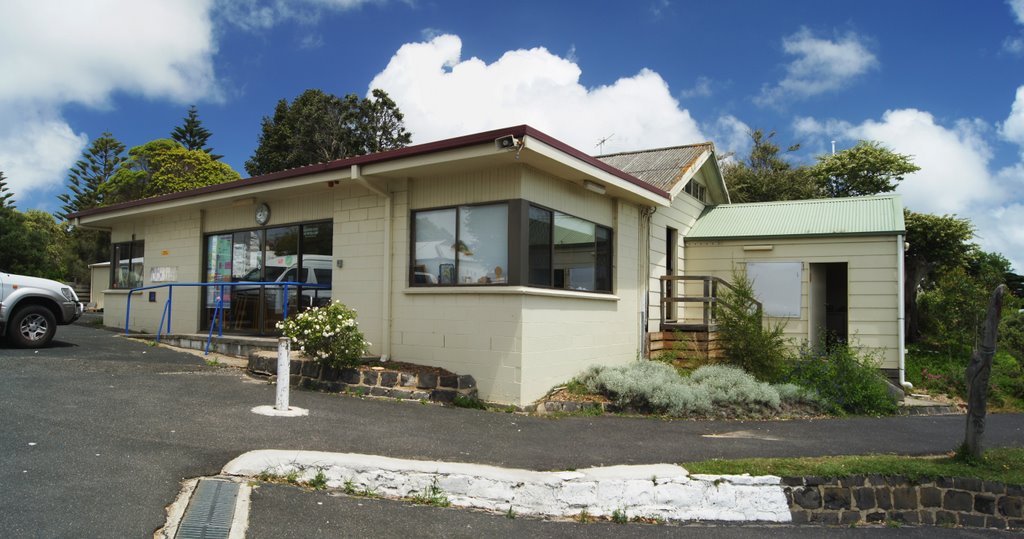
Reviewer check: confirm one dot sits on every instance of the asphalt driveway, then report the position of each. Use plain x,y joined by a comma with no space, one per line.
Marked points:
96,433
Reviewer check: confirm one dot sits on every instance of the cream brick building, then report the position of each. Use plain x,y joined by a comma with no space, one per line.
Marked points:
506,255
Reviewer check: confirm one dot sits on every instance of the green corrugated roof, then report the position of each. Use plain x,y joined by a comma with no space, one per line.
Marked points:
870,215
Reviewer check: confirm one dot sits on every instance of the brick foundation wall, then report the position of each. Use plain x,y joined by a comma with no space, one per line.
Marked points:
871,499
366,380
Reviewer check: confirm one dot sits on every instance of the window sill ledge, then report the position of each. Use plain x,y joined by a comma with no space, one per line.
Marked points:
509,290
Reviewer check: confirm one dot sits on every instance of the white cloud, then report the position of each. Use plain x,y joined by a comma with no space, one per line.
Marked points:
1013,128
83,52
731,136
821,65
955,176
701,88
1017,8
1015,45
254,15
443,95
36,151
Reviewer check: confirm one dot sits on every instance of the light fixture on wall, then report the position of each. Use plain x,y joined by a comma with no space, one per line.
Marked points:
593,187
240,202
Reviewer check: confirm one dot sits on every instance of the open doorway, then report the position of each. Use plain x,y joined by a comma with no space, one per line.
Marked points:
828,303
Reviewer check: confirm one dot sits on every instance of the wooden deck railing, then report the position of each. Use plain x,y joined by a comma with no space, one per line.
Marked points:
675,313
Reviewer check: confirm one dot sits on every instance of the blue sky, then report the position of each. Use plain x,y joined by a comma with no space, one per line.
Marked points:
940,80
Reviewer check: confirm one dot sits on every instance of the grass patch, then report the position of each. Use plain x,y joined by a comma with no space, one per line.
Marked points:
1005,465
462,401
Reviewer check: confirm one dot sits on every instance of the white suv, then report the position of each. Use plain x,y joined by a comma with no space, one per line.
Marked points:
31,309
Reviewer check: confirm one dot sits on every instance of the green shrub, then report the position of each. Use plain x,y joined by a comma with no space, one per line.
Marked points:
747,340
937,372
329,334
845,381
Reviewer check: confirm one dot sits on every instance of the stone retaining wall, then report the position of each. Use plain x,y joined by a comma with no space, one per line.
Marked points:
370,380
871,499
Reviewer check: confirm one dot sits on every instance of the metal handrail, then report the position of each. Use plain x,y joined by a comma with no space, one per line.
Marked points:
218,313
709,300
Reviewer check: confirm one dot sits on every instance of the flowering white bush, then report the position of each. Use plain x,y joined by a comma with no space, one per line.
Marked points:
329,334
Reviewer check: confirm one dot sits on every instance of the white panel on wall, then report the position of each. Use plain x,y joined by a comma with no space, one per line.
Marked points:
777,286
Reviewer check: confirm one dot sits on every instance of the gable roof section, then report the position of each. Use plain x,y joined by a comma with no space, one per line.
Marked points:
851,216
662,167
567,154
669,168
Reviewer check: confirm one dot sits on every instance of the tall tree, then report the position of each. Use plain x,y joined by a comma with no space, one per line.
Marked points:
6,196
318,127
160,167
868,168
936,242
383,124
97,165
192,135
766,176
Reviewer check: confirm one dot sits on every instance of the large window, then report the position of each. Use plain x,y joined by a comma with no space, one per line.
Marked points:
126,264
569,252
463,245
513,243
296,254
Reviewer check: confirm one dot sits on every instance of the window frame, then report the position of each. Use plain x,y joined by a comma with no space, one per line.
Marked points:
115,266
511,221
551,253
518,245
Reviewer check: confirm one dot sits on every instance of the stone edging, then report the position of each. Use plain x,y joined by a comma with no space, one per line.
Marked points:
874,498
369,380
658,491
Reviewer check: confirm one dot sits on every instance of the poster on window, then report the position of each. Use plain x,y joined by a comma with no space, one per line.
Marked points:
218,269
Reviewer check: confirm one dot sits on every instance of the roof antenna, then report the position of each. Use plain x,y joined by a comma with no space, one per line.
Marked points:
600,144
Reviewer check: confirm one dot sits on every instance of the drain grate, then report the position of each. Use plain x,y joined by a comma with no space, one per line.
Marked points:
210,511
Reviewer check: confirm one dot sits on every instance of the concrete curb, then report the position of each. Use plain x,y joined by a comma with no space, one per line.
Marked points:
658,491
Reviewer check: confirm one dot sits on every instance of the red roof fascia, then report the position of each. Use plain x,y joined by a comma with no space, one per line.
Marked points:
419,149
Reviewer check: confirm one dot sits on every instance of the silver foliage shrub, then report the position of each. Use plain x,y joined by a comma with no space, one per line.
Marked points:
730,385
660,388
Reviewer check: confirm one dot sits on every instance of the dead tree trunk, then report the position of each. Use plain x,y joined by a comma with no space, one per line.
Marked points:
978,371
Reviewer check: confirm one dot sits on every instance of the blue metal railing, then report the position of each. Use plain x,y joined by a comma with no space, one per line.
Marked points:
217,320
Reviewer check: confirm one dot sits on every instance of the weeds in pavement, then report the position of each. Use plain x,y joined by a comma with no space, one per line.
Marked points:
433,496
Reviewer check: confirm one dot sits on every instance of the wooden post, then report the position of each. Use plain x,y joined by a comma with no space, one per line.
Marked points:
978,371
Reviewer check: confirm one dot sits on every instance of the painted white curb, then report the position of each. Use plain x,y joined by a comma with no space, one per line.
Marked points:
662,491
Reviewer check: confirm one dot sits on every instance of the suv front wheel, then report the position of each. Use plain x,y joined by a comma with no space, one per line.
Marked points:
32,326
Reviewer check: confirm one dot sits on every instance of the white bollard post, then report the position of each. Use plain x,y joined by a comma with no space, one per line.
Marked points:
284,371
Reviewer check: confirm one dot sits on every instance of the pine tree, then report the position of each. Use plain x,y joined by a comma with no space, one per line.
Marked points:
6,196
97,165
192,135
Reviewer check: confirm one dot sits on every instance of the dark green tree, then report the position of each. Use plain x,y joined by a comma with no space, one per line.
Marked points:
383,124
766,176
318,127
86,177
937,243
160,167
192,135
95,168
868,168
6,196
32,243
